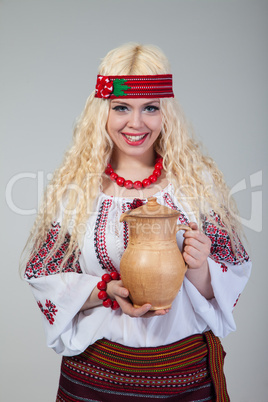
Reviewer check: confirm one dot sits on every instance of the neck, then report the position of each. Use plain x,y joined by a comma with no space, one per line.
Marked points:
121,161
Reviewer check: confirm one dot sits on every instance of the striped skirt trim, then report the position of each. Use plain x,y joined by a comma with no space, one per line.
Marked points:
216,356
188,370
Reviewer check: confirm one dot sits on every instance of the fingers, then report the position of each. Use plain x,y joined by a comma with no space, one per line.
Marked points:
156,313
195,258
193,225
115,288
121,291
195,238
143,311
196,247
116,291
128,308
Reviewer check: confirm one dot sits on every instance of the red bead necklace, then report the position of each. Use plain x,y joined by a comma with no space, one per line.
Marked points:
137,184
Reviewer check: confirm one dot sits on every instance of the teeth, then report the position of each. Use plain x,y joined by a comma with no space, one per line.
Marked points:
135,138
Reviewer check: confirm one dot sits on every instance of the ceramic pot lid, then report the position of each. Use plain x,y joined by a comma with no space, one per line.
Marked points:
152,210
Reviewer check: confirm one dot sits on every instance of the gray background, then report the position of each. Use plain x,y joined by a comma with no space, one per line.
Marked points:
50,51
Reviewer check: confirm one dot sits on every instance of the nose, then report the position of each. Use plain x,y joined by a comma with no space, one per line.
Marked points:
135,119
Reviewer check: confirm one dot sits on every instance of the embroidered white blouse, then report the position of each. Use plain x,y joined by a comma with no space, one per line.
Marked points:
60,296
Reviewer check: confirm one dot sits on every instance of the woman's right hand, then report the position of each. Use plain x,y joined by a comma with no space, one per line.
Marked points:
116,290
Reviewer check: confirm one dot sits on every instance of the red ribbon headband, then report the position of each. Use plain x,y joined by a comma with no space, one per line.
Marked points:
134,86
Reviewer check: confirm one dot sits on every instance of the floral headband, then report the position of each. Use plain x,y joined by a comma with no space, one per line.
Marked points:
134,86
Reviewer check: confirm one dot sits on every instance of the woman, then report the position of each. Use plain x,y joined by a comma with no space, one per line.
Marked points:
132,142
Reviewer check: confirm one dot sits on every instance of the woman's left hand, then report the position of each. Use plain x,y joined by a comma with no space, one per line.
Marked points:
196,247
195,253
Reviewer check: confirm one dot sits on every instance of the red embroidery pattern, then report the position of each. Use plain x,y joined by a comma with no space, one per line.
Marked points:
49,311
182,218
100,237
221,249
236,300
126,207
36,268
224,268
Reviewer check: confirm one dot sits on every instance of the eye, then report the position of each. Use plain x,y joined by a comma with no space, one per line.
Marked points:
120,108
151,108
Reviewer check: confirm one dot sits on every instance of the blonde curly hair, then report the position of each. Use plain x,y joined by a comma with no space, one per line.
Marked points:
77,183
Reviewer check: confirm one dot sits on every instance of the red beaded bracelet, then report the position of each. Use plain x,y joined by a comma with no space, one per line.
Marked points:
102,286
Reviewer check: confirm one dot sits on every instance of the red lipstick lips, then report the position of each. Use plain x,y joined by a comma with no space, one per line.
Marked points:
135,139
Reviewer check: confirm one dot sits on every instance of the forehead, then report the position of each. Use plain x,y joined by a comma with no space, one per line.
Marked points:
136,102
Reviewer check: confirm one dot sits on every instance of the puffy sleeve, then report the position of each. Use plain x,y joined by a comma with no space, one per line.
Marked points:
59,293
229,274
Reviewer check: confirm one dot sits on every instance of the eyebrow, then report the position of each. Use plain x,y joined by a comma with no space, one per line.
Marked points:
125,103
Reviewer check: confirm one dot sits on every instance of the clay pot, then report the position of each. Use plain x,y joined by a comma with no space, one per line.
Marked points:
152,267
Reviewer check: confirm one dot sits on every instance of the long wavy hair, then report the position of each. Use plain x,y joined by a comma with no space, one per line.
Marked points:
77,183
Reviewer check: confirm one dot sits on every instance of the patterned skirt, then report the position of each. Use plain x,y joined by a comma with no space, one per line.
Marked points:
189,370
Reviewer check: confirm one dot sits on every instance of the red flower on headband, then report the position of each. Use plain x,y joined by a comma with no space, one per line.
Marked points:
104,87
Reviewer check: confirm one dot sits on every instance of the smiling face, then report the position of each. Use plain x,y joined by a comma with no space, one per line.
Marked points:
134,125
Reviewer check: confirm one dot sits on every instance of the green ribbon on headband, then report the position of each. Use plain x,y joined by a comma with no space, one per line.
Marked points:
119,87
